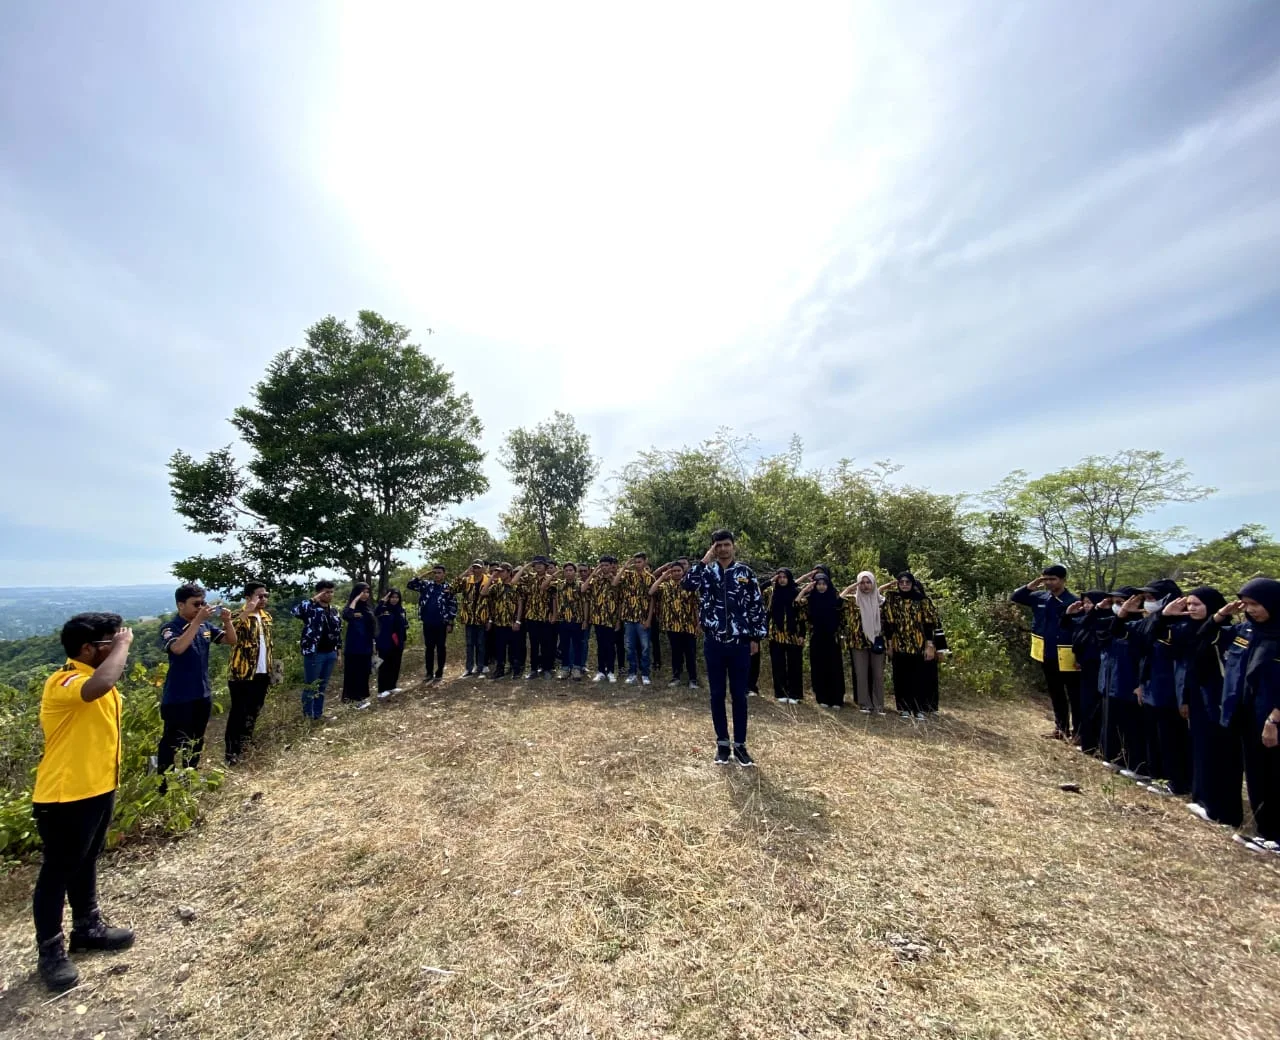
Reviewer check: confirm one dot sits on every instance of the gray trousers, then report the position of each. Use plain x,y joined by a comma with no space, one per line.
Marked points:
869,669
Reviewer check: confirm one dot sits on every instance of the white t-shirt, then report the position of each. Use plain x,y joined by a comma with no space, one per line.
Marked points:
262,649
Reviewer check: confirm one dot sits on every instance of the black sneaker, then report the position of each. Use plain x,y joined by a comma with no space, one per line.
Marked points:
93,933
741,757
722,754
55,969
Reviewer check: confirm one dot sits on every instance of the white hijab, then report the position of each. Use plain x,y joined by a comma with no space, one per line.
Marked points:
869,604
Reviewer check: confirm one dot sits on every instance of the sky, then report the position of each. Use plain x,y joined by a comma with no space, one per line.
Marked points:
969,237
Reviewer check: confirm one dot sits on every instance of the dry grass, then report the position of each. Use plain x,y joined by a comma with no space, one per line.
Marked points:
571,858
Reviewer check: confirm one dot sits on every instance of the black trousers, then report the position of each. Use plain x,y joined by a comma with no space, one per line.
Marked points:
184,726
826,669
389,670
247,698
787,662
518,652
606,649
927,688
1064,692
1173,747
908,675
73,835
1089,724
433,639
655,646
542,646
356,669
753,674
684,655
1261,770
1124,740
501,642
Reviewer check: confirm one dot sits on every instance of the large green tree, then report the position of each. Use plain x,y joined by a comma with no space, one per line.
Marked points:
552,468
355,442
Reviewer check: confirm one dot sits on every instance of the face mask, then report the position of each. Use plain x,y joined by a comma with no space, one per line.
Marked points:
1115,608
1150,605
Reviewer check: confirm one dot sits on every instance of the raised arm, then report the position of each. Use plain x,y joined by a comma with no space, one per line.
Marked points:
107,674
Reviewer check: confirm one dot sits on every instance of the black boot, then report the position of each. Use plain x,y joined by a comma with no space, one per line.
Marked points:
57,971
93,933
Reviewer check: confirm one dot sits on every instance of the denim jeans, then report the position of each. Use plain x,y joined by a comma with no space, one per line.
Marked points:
316,669
475,647
637,637
731,660
573,645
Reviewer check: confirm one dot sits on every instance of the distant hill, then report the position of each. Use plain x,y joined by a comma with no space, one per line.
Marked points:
28,612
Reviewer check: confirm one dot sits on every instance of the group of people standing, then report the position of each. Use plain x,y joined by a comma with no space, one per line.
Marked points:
1176,691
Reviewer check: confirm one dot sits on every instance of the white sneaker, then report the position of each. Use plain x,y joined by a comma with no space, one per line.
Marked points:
613,676
384,694
645,681
364,705
693,685
564,673
600,677
1196,809
674,682
631,680
1249,843
484,670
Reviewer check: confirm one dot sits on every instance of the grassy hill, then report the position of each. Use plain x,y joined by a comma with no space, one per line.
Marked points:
560,860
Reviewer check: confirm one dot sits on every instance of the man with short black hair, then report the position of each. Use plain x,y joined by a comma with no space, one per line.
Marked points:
321,634
633,582
731,611
75,791
249,671
602,614
187,700
437,607
1048,598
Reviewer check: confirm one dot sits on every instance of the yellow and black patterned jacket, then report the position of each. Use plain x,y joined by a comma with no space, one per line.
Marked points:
782,634
570,601
473,606
502,601
633,595
537,600
677,609
853,635
909,623
244,655
603,602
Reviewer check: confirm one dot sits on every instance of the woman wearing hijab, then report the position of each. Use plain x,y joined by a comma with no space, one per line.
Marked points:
826,617
1251,699
912,621
1168,740
1124,747
1217,771
357,649
393,627
865,634
1080,624
786,636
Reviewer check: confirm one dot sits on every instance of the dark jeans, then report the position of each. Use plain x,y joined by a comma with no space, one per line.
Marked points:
788,670
433,640
389,670
573,645
184,726
1064,692
356,669
475,648
637,637
606,649
73,835
247,698
316,669
684,654
731,661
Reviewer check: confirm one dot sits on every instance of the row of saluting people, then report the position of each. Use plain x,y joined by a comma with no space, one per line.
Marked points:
1178,692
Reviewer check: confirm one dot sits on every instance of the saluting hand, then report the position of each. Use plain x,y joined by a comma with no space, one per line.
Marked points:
1175,607
1077,606
1231,609
123,637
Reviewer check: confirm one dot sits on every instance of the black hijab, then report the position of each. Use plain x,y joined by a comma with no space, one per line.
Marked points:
824,607
917,590
782,607
363,606
1213,600
1264,644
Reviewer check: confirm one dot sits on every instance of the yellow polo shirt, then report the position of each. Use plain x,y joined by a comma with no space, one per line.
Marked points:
81,739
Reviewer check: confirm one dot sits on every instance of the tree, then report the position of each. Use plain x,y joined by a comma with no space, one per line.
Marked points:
458,544
356,442
1087,515
552,467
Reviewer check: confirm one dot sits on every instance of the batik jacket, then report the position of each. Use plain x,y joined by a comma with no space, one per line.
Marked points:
730,607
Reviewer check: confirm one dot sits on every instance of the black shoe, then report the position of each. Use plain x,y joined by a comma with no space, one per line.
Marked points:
741,757
722,754
55,969
93,933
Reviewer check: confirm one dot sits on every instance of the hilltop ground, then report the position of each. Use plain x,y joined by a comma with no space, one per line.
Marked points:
560,860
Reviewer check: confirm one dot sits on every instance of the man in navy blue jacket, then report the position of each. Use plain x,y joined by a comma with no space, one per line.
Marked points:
1048,599
731,611
437,607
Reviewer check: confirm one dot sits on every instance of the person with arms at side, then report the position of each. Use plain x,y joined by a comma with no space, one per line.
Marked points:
75,792
787,631
865,634
603,614
249,671
825,610
472,605
677,611
503,599
187,701
1081,622
569,607
731,612
1250,652
357,648
1048,598
534,618
437,608
633,583
912,622
1217,769
393,630
321,636
1168,738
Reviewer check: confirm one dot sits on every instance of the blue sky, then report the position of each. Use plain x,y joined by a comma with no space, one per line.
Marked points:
970,237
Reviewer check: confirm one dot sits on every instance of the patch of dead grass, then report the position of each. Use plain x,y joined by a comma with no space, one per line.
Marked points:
543,860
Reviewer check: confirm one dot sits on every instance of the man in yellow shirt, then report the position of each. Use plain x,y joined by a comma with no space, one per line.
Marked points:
75,791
